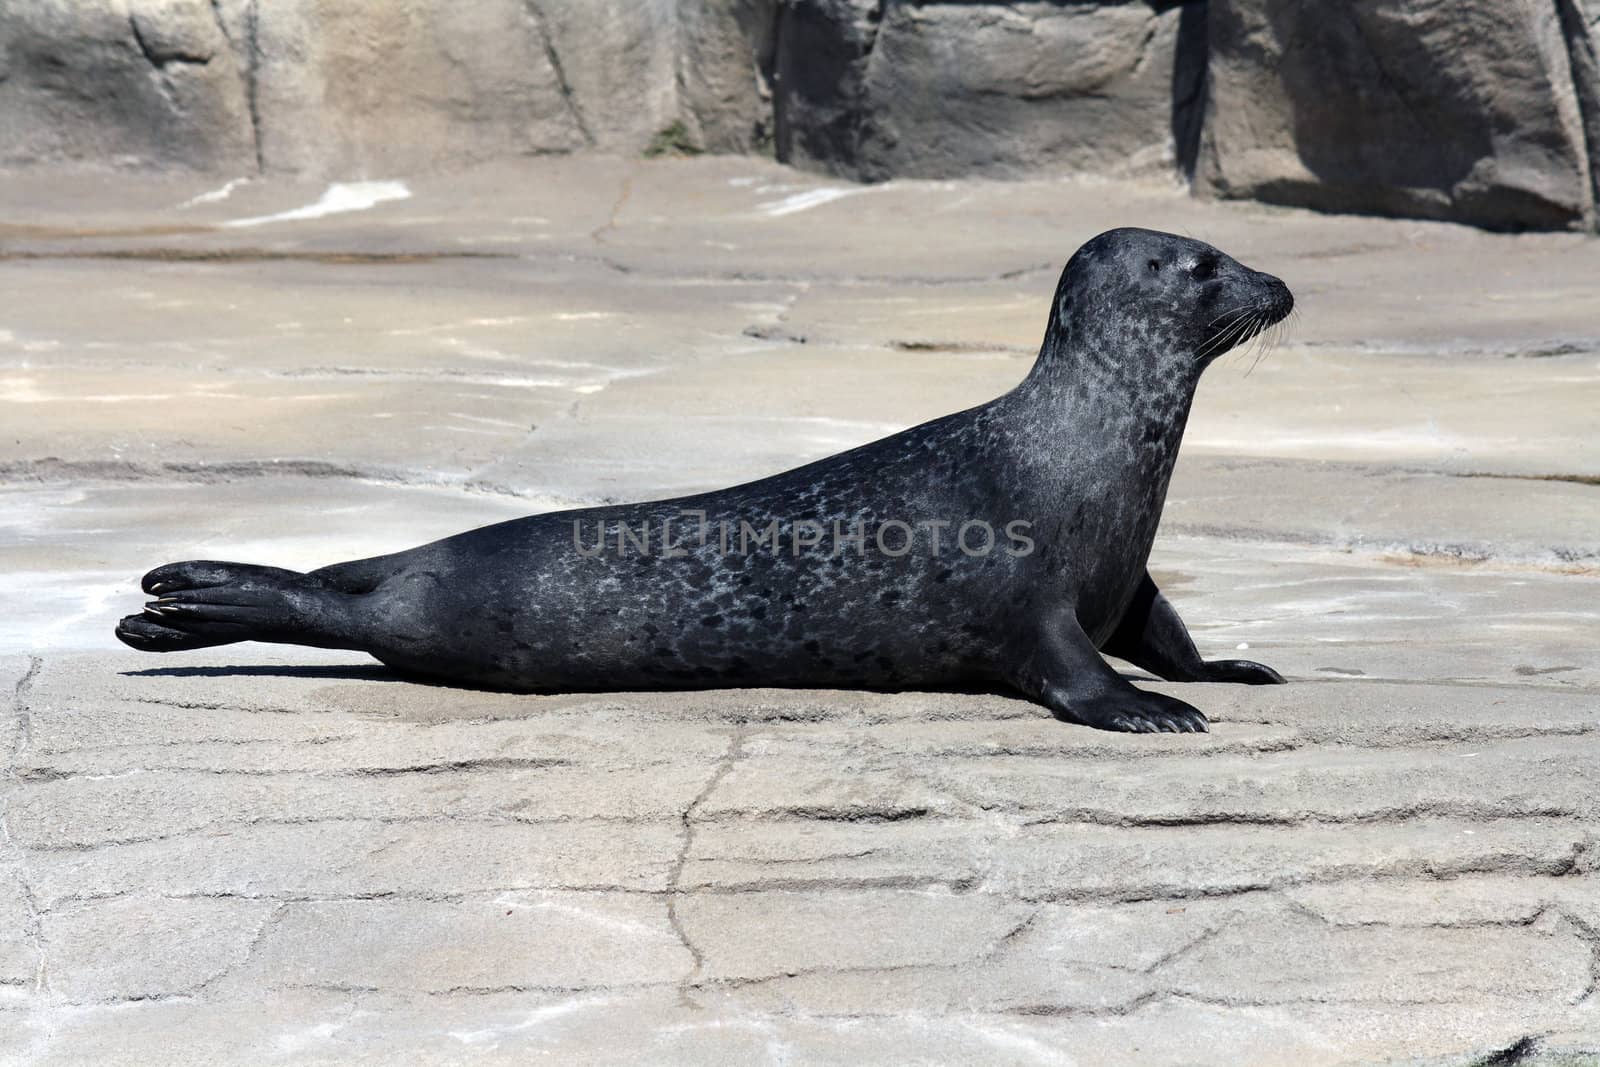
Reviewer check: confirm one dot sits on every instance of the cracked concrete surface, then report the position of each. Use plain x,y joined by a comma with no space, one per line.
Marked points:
288,855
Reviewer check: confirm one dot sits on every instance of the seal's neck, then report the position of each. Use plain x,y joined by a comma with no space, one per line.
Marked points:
1127,385
1096,426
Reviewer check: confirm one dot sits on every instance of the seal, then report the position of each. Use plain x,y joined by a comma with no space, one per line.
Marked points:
1001,546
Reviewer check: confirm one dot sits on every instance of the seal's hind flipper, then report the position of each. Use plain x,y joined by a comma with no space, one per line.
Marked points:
200,603
148,635
207,573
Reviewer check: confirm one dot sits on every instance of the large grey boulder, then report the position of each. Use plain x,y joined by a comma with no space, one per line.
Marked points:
1458,109
353,89
871,89
420,84
725,60
151,82
1580,29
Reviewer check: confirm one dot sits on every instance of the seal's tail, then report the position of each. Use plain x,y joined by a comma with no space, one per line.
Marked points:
201,603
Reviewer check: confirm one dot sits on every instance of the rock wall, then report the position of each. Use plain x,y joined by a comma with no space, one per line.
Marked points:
331,86
1485,111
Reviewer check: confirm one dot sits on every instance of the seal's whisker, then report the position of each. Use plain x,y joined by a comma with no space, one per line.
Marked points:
1254,360
1254,333
1226,313
1222,342
1270,339
1230,334
1222,333
1230,311
1212,345
1246,351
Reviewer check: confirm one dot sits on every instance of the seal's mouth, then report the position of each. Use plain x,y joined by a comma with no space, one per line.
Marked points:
1272,303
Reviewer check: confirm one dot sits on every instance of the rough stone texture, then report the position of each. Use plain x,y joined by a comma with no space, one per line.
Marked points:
549,940
765,935
725,58
138,948
1484,111
1432,108
326,87
872,90
351,89
285,855
148,81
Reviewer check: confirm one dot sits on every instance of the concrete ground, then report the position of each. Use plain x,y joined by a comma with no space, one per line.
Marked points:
254,854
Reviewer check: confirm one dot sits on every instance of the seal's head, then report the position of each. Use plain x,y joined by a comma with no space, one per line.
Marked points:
1163,297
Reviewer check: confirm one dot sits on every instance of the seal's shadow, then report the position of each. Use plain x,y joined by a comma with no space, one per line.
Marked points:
376,672
355,672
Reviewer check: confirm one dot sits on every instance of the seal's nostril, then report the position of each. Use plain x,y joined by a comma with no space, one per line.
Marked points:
1279,299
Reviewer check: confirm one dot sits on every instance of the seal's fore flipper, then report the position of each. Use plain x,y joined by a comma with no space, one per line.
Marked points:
1152,637
1067,675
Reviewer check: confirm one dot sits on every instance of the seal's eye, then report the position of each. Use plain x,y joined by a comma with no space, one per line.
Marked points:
1153,266
1205,270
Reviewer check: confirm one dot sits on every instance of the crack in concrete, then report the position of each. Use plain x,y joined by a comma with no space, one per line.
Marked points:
492,895
179,704
222,827
1516,1052
228,970
351,988
1575,479
1384,817
1590,933
34,930
488,894
1175,954
925,345
38,774
624,191
1426,737
865,813
268,923
1081,1011
1395,818
51,470
1398,873
205,742
23,712
1550,559
1124,1007
1454,683
912,883
229,256
1370,1003
675,891
1307,912
1115,817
